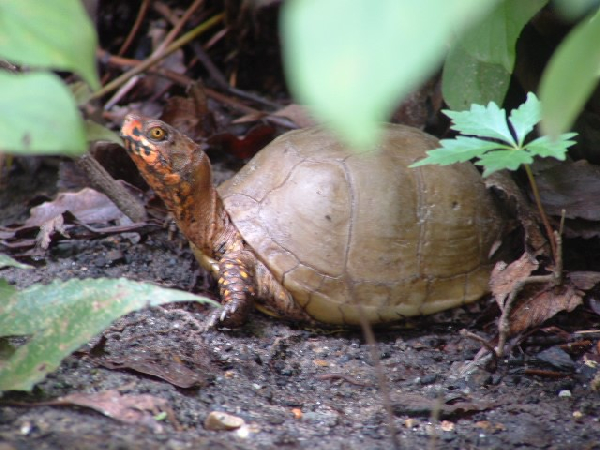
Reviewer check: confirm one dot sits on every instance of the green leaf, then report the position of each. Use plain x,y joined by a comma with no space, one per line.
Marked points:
546,146
7,261
98,132
494,38
479,65
459,149
38,116
572,9
485,121
62,316
503,159
524,118
570,76
467,80
353,61
55,34
6,290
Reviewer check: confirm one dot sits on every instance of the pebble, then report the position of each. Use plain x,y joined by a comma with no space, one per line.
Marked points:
221,421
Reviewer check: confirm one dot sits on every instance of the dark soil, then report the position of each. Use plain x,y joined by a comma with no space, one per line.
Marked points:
293,387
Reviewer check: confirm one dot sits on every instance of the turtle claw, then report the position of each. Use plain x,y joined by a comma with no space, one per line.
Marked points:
232,315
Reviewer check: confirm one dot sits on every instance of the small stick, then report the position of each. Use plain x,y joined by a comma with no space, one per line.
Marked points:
136,26
183,40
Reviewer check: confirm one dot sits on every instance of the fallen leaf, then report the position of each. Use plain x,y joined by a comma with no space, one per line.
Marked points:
190,115
533,309
169,370
298,114
570,186
527,216
410,404
584,279
88,206
246,146
535,302
504,277
140,408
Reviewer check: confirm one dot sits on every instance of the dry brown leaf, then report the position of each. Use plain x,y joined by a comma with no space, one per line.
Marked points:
190,115
417,405
572,186
584,279
298,114
88,206
504,278
536,302
123,407
245,146
526,215
535,308
171,371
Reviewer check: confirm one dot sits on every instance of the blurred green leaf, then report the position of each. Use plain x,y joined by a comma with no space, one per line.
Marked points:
7,261
479,65
572,9
570,76
98,132
62,316
354,61
6,290
55,34
38,116
467,80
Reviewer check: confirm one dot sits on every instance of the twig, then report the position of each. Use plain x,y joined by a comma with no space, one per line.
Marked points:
155,58
102,181
342,376
177,29
554,278
538,202
136,26
382,381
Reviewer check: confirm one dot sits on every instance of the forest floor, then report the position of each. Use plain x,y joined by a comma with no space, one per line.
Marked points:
292,387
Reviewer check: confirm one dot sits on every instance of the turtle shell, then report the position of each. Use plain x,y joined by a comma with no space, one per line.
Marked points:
351,233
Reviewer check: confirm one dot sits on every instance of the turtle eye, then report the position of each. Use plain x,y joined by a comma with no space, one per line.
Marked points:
157,133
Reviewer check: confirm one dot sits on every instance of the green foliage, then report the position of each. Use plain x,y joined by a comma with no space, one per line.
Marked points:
39,114
571,76
487,137
353,61
479,65
7,261
60,317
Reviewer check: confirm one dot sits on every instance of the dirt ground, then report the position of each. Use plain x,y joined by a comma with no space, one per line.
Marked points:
292,387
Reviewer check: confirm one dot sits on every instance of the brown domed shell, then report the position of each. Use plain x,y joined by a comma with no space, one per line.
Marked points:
339,228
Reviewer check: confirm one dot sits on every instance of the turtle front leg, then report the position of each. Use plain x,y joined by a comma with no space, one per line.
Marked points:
235,275
236,285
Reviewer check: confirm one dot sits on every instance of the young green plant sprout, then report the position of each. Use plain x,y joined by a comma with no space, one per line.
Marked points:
486,135
497,144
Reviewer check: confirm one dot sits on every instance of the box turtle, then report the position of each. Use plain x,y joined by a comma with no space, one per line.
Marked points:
309,230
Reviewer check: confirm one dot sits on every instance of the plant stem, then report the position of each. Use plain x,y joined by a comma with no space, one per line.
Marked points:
183,40
538,202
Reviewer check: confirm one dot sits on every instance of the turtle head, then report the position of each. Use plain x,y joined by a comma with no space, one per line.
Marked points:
173,165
